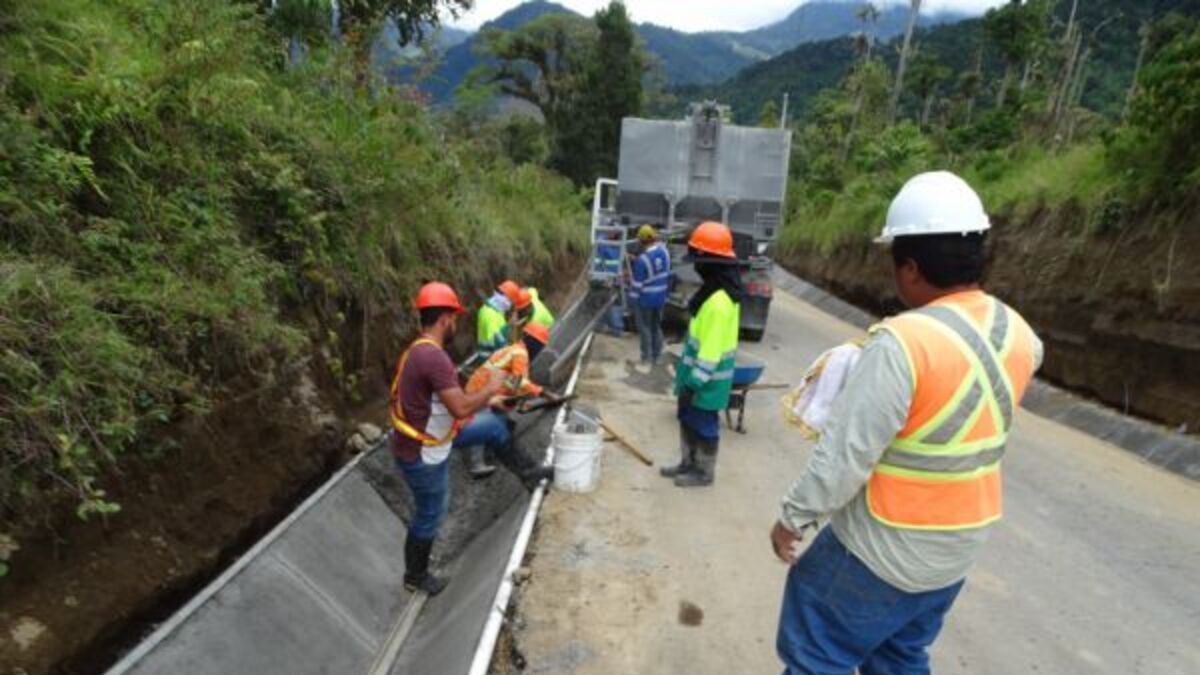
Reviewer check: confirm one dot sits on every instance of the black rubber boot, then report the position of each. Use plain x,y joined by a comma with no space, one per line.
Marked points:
705,469
687,455
417,577
477,464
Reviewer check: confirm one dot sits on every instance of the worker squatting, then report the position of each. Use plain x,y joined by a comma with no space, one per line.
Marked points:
907,470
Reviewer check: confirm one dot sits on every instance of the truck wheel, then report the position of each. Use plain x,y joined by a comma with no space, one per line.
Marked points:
752,334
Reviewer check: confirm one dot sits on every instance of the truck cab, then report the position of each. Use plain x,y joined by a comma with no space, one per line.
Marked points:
676,174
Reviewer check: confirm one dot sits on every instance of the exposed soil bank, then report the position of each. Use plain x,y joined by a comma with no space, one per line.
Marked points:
78,598
1119,311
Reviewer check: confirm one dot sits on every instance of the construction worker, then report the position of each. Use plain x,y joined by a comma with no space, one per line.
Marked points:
908,468
490,429
648,291
541,313
704,374
492,330
427,407
607,262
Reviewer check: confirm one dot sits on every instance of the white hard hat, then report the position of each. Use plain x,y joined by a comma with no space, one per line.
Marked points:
937,202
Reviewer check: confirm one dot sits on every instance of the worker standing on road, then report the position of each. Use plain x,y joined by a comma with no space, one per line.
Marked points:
492,331
648,290
704,374
609,257
908,469
427,407
489,430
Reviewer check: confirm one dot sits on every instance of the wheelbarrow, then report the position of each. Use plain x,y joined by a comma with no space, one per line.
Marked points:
747,371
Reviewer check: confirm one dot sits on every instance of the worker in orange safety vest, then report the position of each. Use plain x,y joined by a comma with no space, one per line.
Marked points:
908,470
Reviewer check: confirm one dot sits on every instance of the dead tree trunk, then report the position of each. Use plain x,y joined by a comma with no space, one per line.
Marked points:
913,13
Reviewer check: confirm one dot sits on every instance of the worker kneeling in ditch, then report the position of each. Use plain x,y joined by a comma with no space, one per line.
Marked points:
428,408
704,374
491,430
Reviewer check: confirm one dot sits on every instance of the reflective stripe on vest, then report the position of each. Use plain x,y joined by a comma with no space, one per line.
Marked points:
396,410
971,358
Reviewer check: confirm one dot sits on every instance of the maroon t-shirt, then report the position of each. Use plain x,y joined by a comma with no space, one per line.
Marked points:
428,371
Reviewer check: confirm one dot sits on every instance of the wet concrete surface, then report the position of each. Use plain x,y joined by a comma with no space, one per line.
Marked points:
1095,569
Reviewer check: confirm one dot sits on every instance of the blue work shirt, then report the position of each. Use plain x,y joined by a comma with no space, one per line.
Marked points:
651,277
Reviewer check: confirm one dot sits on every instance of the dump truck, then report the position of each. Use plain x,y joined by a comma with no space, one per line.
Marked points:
676,174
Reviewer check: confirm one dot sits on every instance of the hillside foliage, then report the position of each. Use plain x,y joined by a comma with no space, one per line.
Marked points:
185,214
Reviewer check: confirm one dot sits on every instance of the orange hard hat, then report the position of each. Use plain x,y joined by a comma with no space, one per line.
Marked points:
539,332
511,290
524,299
713,238
435,294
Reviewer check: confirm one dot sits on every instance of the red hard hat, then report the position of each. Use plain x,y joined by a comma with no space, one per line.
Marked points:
511,290
713,238
538,332
524,299
435,294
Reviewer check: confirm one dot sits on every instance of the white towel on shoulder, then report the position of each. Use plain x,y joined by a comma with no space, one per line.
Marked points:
809,405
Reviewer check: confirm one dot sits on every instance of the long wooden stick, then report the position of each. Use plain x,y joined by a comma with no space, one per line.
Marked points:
627,444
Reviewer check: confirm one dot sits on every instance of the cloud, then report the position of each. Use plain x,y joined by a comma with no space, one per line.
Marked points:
697,15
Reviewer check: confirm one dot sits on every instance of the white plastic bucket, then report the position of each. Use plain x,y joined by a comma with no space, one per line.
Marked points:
577,445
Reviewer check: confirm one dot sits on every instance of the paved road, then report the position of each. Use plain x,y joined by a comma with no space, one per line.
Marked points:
1096,568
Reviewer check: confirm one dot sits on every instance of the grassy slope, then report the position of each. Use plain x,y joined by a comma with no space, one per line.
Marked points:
182,219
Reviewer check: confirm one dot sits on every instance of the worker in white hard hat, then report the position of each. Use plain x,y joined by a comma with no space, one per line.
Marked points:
907,471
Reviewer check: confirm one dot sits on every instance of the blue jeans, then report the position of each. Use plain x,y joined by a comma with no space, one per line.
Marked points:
838,616
649,325
614,319
430,485
487,429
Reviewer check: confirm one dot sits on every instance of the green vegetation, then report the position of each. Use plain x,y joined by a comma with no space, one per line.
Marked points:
582,76
1025,137
184,216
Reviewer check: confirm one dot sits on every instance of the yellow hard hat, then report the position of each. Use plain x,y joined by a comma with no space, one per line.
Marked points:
647,233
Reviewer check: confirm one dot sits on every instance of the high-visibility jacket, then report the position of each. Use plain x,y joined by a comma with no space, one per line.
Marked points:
971,359
541,313
512,360
707,364
651,275
492,330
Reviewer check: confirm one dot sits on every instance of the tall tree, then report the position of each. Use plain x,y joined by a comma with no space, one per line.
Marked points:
584,76
360,20
1016,30
868,14
913,13
611,91
927,76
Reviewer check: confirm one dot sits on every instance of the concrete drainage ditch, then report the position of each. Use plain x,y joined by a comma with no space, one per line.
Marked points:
323,591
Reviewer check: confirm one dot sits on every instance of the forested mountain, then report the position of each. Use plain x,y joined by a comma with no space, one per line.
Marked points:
690,58
1110,30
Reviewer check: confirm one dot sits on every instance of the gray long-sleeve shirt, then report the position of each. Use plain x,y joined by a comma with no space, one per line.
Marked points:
871,409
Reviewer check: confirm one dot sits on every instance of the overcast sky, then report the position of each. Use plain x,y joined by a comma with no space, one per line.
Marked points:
696,15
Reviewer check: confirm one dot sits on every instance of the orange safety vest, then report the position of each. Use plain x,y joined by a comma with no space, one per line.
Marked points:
971,359
399,423
514,360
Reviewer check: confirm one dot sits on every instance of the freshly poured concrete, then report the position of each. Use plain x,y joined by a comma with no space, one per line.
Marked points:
1096,568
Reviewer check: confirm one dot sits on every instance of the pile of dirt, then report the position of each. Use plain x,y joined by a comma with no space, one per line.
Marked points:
1119,310
80,594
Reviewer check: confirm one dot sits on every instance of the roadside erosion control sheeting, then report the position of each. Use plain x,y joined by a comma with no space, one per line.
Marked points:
324,592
